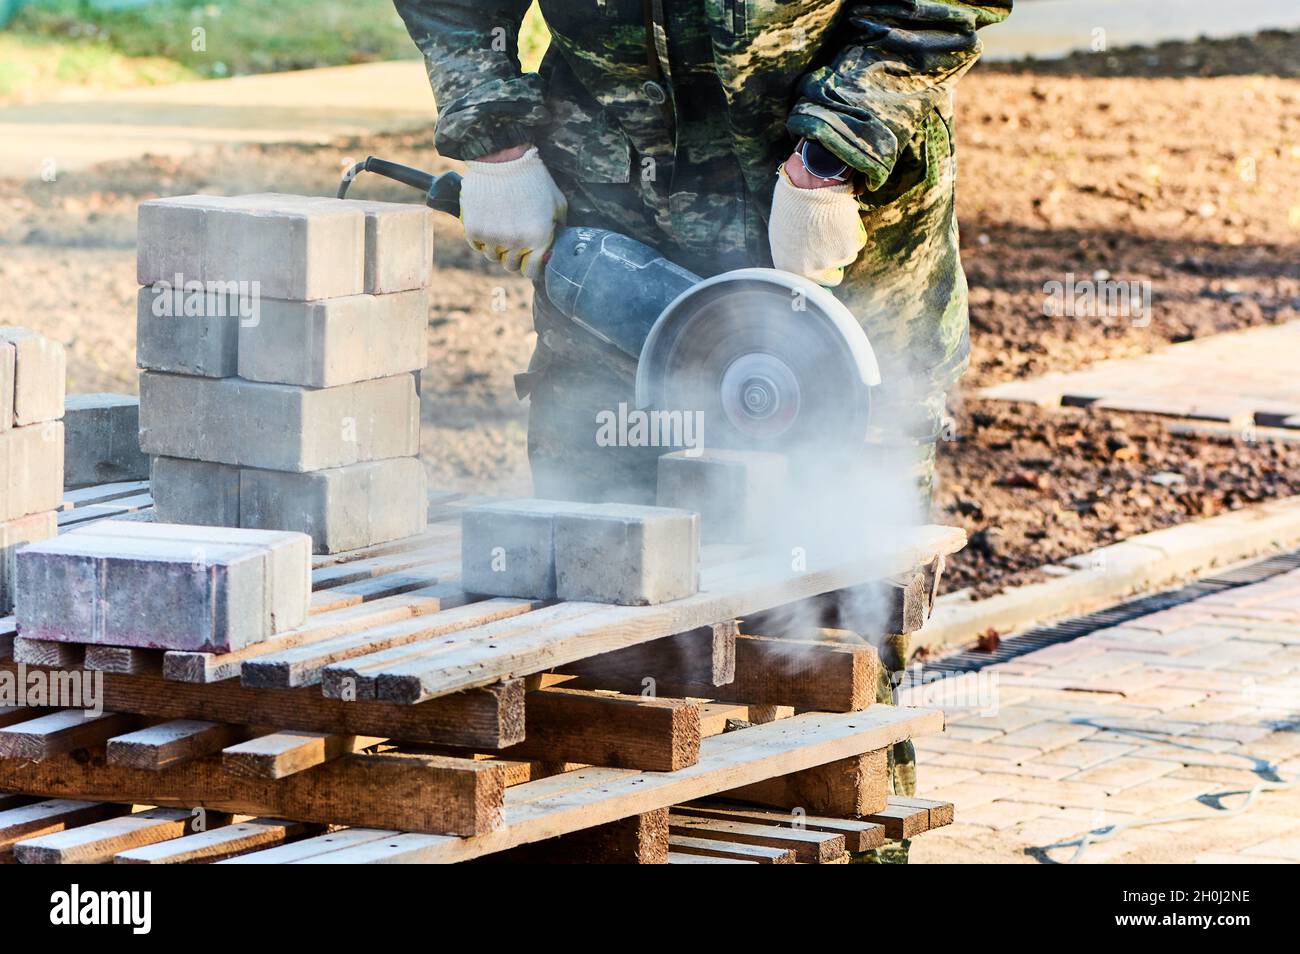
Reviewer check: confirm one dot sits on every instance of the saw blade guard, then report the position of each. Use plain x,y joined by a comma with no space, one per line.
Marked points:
773,362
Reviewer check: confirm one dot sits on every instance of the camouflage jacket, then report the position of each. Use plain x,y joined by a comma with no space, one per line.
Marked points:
667,119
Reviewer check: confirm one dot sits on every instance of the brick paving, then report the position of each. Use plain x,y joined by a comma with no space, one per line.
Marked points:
1150,719
1242,376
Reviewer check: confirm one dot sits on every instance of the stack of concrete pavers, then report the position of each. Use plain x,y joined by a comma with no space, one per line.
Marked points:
32,375
102,440
163,586
280,340
601,553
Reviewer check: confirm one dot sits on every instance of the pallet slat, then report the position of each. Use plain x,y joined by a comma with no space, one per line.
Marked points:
217,844
98,842
580,799
490,718
408,793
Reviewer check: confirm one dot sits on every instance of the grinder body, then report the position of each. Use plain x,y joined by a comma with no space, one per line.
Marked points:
773,360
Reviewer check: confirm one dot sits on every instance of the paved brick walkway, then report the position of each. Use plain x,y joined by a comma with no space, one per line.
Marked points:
1242,377
1136,721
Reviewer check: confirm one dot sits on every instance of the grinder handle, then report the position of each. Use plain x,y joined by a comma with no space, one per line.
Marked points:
441,193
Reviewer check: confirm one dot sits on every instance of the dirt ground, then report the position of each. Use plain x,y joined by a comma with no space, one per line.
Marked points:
1189,183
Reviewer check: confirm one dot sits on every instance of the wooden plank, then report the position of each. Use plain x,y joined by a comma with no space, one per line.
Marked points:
287,667
125,660
563,803
8,801
376,588
216,844
161,746
806,675
902,821
701,657
9,715
62,731
431,535
714,848
89,513
97,843
311,847
682,858
45,652
639,840
482,656
281,754
103,492
439,558
357,677
940,813
809,847
858,835
855,786
485,718
50,815
656,735
409,793
905,817
893,605
202,667
803,674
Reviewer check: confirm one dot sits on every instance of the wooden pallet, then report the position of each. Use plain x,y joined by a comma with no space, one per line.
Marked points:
456,727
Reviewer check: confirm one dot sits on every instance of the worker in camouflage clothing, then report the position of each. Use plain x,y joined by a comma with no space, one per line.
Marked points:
812,136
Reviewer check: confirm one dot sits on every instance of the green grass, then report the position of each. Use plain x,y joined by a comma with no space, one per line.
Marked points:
237,37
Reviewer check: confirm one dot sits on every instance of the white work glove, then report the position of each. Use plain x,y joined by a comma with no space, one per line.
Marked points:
510,211
815,233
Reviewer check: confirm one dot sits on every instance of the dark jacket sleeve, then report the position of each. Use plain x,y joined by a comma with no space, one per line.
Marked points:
471,50
895,64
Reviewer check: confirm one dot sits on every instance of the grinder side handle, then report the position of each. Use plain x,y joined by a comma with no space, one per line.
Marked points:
441,193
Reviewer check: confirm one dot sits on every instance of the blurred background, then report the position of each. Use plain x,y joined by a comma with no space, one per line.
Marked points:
1153,142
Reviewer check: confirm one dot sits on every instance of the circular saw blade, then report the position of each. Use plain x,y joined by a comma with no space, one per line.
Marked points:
768,361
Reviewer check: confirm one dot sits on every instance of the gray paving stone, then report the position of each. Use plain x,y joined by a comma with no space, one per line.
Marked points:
294,247
204,343
102,440
31,469
195,492
399,239
170,235
342,508
40,375
735,492
15,534
335,341
7,355
163,586
399,246
625,554
278,426
507,548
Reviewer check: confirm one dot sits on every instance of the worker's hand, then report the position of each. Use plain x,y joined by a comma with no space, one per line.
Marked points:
816,228
510,206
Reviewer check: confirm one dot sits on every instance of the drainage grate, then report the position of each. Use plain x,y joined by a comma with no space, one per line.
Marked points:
1068,629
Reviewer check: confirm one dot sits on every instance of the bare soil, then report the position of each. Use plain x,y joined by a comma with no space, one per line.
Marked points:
1190,184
